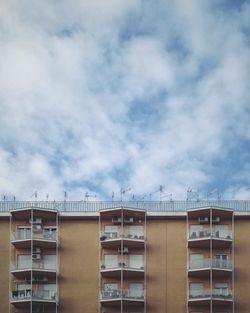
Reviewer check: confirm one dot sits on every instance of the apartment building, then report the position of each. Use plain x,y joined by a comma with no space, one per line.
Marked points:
97,257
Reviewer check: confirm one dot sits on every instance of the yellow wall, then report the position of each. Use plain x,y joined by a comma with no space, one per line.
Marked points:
166,266
242,265
79,266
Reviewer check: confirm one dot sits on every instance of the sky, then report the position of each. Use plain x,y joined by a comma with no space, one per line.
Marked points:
138,95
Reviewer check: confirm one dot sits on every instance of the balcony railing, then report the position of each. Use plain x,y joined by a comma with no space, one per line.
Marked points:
116,235
221,293
121,265
125,294
19,235
210,263
38,264
29,294
205,233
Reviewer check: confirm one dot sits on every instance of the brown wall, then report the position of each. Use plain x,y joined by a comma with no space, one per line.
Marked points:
242,265
166,266
79,266
4,265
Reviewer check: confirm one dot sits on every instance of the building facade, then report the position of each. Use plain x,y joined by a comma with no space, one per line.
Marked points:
125,258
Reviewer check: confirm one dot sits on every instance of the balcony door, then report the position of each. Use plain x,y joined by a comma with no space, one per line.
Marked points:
196,289
196,261
136,290
23,261
136,230
111,260
221,260
111,231
49,261
221,289
135,261
24,232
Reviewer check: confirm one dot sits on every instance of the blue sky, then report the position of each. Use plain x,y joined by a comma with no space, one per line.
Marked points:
96,96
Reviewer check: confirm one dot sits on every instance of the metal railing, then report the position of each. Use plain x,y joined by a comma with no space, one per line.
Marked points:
210,263
116,235
126,294
221,293
151,206
37,264
205,233
20,235
29,294
120,265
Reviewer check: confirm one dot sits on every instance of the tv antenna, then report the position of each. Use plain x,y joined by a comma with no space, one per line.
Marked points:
168,195
87,196
65,196
34,195
113,196
192,193
123,191
214,191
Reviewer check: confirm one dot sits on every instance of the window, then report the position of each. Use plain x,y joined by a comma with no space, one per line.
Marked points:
24,232
135,260
110,260
49,261
111,231
23,261
49,291
136,290
136,230
195,289
221,260
221,289
196,261
221,231
49,232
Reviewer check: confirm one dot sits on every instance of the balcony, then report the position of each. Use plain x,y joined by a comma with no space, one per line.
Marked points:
205,296
128,270
203,238
22,297
113,240
203,267
38,267
125,295
22,240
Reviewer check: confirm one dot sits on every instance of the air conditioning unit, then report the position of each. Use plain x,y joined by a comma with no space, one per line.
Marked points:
203,219
37,228
128,220
124,250
37,221
36,256
36,250
116,220
216,219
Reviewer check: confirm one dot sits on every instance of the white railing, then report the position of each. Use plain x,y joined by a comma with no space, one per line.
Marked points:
129,294
29,294
222,293
19,235
116,235
205,233
210,263
120,265
38,264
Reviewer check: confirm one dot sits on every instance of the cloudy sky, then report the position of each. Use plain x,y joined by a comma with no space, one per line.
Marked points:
96,96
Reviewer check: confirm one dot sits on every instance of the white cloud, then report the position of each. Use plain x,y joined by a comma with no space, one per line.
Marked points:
68,85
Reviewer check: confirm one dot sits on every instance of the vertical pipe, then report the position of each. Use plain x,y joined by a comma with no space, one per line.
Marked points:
100,255
145,261
233,258
57,259
122,235
10,257
31,250
187,258
210,256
